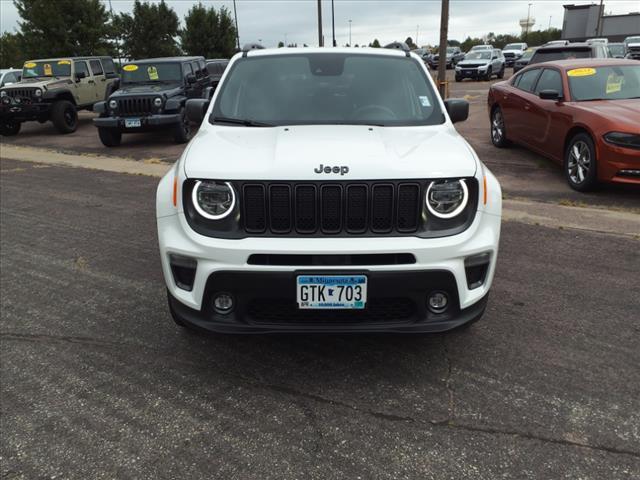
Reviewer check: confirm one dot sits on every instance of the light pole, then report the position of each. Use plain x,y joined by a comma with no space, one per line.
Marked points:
349,32
235,14
442,49
320,38
526,35
333,23
550,16
417,31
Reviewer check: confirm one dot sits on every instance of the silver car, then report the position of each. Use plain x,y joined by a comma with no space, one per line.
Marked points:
481,65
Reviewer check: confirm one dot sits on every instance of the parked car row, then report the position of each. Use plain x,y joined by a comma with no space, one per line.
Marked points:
147,95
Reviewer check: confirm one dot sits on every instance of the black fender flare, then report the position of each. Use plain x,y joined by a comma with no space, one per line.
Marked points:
175,104
59,94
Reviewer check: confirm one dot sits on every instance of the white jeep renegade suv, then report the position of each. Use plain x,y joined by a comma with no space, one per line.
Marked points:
327,190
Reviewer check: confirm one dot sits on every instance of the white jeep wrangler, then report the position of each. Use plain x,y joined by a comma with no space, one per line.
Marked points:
327,190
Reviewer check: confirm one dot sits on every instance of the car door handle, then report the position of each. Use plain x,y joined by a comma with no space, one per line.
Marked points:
527,106
91,81
103,79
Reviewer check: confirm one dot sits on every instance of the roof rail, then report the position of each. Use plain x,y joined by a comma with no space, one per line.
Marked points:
399,46
251,46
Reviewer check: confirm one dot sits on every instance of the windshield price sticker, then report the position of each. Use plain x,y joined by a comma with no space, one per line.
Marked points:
47,69
153,73
424,101
614,83
29,65
64,62
581,72
130,68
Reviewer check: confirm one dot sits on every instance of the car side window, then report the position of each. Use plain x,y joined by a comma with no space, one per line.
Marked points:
96,67
528,79
9,78
196,69
81,67
203,68
108,65
186,69
549,80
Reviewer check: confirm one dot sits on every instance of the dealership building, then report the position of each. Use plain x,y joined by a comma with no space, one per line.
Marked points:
588,21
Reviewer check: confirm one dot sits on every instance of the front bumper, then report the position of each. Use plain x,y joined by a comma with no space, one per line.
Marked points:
618,164
146,122
23,112
470,73
265,294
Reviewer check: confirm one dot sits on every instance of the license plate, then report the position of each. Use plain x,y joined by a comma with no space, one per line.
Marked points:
332,292
132,122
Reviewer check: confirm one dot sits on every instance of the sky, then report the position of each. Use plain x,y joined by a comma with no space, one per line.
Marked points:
295,21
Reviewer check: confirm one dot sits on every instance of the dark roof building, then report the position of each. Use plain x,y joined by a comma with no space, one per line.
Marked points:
588,21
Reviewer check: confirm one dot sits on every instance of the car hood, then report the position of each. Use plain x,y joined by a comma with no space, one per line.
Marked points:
516,52
47,84
136,90
479,61
295,152
624,114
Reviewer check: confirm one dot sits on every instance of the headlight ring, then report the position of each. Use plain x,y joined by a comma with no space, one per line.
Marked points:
157,102
38,92
113,104
221,199
444,200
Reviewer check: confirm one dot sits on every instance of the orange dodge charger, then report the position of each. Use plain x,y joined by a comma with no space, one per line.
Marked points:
583,114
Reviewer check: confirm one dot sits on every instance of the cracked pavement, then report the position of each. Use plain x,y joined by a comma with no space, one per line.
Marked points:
97,381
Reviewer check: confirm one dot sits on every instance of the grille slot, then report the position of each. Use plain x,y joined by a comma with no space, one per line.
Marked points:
135,106
21,92
331,208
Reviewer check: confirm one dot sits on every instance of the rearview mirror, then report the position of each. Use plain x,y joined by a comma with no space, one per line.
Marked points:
549,95
195,109
457,108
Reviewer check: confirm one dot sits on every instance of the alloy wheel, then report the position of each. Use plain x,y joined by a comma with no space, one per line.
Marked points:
497,127
579,162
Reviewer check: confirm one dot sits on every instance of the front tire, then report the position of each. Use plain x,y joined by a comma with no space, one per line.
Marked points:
498,129
501,74
110,137
182,131
487,77
580,165
9,129
64,116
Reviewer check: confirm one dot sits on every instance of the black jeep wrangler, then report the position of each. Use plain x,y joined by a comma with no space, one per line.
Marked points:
152,96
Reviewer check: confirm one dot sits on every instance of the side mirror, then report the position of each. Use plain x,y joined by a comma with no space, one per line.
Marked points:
80,76
494,57
457,108
196,108
191,78
549,95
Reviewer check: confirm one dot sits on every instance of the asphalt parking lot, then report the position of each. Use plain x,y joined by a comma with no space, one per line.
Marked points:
97,381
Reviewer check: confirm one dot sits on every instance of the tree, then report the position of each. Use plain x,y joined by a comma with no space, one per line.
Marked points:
410,44
375,43
150,32
280,44
10,53
208,32
62,28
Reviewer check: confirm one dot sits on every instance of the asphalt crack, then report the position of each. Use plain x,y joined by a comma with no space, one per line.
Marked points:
448,423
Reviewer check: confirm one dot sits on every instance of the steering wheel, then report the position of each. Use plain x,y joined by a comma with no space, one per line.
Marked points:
388,114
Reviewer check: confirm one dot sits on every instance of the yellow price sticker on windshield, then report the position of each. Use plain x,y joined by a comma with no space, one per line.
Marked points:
614,83
47,69
581,72
130,68
29,65
64,62
153,73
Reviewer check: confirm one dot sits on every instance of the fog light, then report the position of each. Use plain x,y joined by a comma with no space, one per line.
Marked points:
223,303
438,302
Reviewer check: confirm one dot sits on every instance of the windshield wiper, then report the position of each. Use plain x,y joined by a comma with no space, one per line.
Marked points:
240,121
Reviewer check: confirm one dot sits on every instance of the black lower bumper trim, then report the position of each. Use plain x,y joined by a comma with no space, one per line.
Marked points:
265,303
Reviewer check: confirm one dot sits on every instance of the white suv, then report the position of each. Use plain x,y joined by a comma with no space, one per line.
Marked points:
327,190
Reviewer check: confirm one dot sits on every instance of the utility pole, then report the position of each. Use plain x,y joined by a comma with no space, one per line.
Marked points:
333,23
550,16
117,40
320,37
235,14
349,32
600,14
417,31
442,49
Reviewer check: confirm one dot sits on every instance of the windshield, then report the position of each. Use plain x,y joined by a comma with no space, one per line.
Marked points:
478,56
616,49
513,46
327,88
543,56
629,40
450,50
527,55
604,83
482,47
48,68
151,73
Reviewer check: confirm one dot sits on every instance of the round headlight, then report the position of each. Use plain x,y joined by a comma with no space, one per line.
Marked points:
447,198
113,104
6,100
157,102
38,92
213,200
3,94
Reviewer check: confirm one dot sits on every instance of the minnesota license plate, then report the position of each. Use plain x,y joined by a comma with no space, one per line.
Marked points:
132,122
332,291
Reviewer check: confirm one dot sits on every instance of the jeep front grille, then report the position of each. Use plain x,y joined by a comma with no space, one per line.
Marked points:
509,54
21,92
135,106
331,208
